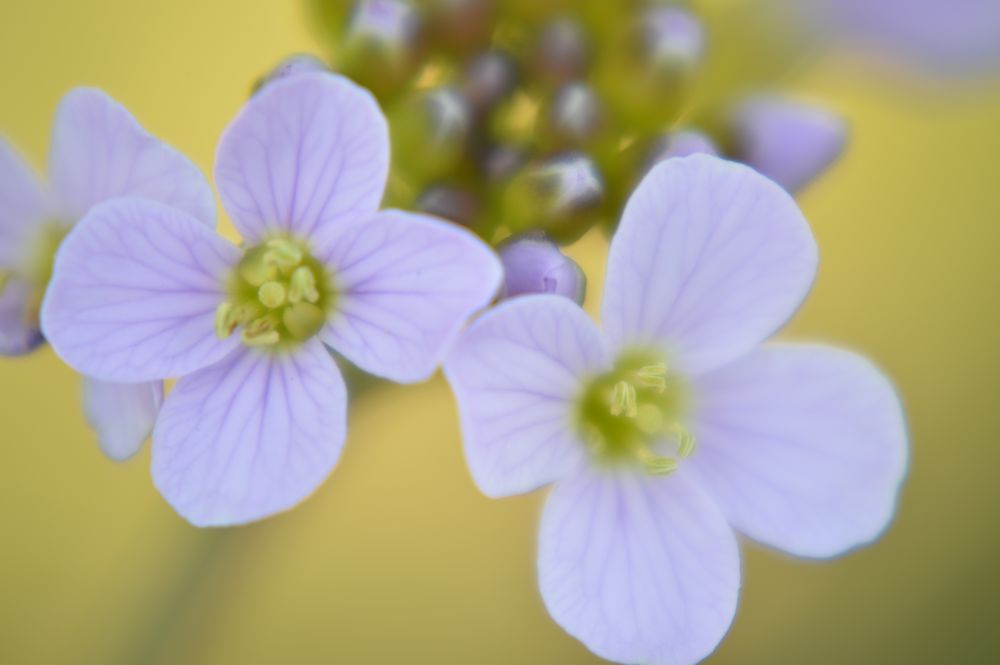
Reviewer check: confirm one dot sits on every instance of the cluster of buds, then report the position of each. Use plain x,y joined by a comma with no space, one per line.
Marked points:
540,116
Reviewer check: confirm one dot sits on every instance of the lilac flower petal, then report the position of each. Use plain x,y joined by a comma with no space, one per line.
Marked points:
122,414
100,152
516,373
789,141
19,334
306,151
639,569
23,207
804,446
134,292
250,436
710,259
406,283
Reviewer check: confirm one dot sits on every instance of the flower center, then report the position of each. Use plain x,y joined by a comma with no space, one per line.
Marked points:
633,412
279,295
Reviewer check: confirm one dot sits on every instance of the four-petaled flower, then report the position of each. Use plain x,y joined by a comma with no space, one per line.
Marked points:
98,152
674,429
141,291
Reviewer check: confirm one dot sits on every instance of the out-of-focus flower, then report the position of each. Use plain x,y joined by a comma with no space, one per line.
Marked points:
675,428
951,37
789,141
534,264
98,152
142,291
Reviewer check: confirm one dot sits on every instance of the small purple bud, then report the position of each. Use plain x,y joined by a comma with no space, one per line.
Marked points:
681,143
562,52
449,202
535,265
672,38
576,113
391,24
489,78
791,142
500,162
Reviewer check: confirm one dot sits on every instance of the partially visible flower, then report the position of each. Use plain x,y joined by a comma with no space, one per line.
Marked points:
950,37
142,291
534,264
789,141
98,152
675,428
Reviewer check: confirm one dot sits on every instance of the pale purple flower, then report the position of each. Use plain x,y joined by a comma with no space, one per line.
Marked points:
142,292
534,264
675,429
789,141
98,152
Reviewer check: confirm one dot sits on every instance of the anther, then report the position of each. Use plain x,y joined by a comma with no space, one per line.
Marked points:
256,268
283,253
653,376
224,325
623,400
260,332
302,286
271,294
657,465
686,443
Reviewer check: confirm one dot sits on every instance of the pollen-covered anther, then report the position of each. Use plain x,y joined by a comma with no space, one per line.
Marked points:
653,376
260,332
302,286
282,253
657,465
686,443
623,400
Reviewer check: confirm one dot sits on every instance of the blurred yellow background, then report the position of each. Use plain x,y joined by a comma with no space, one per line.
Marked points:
398,559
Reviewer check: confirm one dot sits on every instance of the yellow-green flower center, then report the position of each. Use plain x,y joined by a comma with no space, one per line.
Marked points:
279,295
633,413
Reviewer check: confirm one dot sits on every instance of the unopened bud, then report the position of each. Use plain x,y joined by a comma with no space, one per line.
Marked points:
534,264
489,78
429,133
681,143
562,52
449,202
575,115
378,47
791,142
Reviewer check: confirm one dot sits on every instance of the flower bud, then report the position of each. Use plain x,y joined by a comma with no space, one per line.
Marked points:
677,144
379,43
672,40
449,202
575,115
791,142
534,264
561,196
459,26
562,52
429,132
489,78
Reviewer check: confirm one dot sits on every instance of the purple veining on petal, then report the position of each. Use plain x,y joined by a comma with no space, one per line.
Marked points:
407,284
641,570
515,375
250,436
306,152
122,414
100,152
710,259
134,292
804,446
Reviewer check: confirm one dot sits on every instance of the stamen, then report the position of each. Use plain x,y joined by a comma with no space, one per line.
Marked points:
224,325
623,400
283,253
271,294
302,286
657,465
256,268
686,443
260,332
653,376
